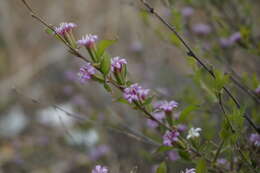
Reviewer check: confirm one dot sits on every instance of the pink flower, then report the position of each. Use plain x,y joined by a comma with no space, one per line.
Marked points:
187,11
170,137
235,37
88,40
86,72
135,93
159,116
255,139
225,42
228,42
167,106
222,161
117,63
64,27
257,90
173,155
201,29
100,169
98,152
181,127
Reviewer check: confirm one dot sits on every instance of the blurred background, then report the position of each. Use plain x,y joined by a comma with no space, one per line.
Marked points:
50,122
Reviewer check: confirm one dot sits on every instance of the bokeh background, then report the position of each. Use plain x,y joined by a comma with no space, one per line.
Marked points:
49,122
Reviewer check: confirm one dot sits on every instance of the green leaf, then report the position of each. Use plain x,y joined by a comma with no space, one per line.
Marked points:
49,31
164,148
98,78
201,166
107,87
162,168
124,72
52,33
184,155
102,46
237,119
185,112
148,101
105,64
119,78
220,81
122,100
225,132
169,119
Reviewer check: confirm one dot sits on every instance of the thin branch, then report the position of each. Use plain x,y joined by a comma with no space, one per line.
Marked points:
224,112
246,89
49,26
218,151
191,53
130,132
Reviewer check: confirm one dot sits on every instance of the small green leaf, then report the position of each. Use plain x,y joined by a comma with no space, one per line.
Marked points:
102,46
49,31
124,72
105,64
162,168
185,112
148,101
119,78
52,33
107,87
122,100
98,78
220,80
169,119
163,148
184,155
201,166
225,132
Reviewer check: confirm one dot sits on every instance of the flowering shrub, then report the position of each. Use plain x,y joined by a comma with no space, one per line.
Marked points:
204,153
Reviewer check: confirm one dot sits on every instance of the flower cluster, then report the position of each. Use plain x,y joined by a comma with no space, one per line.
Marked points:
88,40
135,93
100,169
159,116
255,139
117,63
86,72
228,42
65,27
193,133
201,29
187,11
170,137
257,91
167,106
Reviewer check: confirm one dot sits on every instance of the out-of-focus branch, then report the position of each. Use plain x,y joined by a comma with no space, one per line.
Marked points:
191,53
123,130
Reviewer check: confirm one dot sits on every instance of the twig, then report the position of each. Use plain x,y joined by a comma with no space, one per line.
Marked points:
131,133
191,53
224,112
218,151
245,89
34,15
233,131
